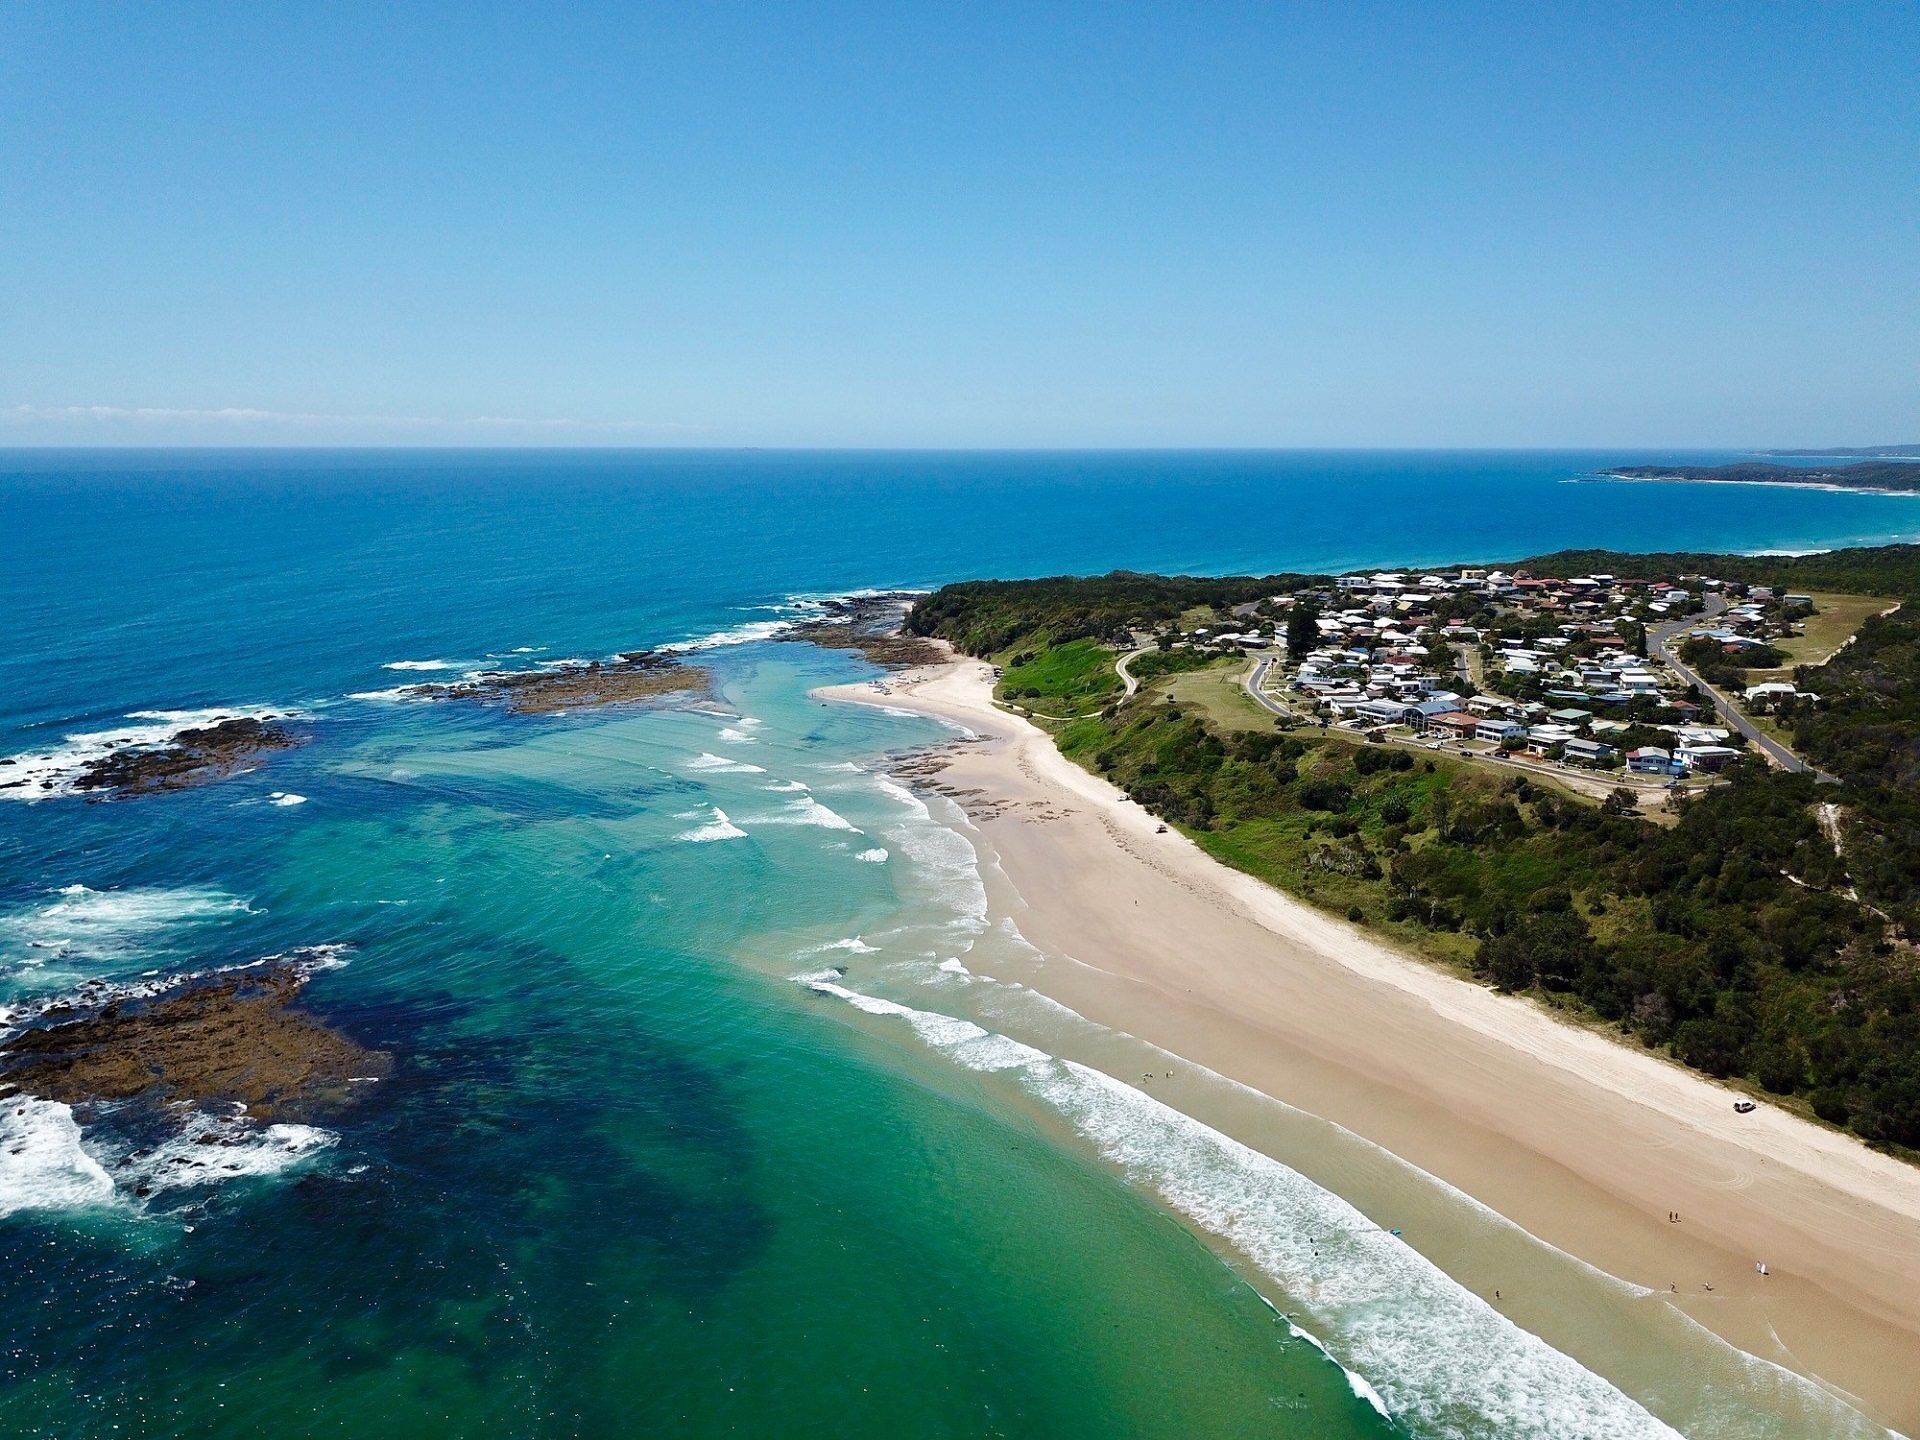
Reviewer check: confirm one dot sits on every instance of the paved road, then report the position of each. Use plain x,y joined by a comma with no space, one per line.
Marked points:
1252,686
1661,638
1126,675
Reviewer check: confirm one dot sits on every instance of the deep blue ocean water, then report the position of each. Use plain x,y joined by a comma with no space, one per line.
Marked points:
627,1177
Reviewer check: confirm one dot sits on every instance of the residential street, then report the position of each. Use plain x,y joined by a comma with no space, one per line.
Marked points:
1662,637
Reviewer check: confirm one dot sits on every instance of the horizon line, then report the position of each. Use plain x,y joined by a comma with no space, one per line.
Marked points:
349,447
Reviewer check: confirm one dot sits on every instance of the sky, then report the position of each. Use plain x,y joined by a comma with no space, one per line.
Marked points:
960,225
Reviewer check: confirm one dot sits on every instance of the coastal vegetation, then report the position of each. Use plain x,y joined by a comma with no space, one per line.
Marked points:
991,617
1068,676
1762,931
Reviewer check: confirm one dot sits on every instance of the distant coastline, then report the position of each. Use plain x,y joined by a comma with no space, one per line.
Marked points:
1857,452
1886,477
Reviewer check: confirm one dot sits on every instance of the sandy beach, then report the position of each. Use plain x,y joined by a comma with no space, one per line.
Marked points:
1586,1143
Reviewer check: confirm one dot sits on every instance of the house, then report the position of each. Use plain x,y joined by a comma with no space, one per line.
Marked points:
1649,760
1587,752
1382,712
1771,690
1421,714
1498,732
1686,735
1705,759
1454,723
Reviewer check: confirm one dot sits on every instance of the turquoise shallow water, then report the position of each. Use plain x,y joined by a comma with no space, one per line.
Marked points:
696,1124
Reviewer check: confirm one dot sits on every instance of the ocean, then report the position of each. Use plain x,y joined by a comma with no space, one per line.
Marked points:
702,1117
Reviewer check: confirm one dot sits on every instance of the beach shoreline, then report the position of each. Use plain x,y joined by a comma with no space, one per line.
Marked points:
1586,1143
1604,479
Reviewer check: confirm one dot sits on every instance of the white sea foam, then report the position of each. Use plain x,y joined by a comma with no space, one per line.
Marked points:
398,692
286,797
738,635
894,790
734,735
423,665
938,853
718,828
875,856
841,767
1396,1322
43,1165
83,924
853,944
38,776
720,764
794,611
208,1150
785,787
806,810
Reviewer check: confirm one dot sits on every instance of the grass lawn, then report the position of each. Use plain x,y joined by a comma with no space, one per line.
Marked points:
1216,693
1835,620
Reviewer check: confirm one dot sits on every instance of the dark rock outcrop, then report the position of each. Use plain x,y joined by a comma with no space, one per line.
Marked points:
871,624
229,1037
637,675
191,757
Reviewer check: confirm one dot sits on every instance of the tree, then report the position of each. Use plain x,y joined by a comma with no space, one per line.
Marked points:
1303,629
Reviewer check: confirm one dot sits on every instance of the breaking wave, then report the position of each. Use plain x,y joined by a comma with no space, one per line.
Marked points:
808,811
721,765
46,1167
51,1165
1396,1322
114,925
718,828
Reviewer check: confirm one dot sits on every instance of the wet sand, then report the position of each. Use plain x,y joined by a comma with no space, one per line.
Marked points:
1586,1143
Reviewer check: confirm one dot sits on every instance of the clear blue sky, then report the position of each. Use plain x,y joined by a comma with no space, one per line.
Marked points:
960,224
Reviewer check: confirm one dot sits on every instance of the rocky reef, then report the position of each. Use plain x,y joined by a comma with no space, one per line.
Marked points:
189,757
227,1038
871,624
637,675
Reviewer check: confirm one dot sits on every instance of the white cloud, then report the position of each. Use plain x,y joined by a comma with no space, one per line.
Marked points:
122,418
